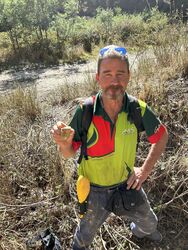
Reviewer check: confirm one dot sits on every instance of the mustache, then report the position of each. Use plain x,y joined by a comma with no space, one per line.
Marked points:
114,87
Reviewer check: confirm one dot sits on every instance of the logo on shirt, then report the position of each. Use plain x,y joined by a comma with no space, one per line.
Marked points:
93,139
128,131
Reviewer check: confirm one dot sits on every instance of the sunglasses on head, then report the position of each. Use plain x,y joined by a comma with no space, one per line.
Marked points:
122,51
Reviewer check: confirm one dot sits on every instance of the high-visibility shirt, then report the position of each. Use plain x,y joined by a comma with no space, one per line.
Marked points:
111,147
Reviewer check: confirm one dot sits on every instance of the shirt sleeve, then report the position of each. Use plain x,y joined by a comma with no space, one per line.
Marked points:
152,125
76,125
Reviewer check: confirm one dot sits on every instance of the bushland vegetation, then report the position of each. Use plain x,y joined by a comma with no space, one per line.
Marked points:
53,31
38,185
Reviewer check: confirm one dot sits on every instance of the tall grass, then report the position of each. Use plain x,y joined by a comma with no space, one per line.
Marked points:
167,57
70,91
23,101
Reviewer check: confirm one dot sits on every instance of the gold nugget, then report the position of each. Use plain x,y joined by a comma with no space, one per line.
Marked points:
65,132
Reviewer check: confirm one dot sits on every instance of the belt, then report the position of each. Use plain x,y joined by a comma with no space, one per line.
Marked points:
99,188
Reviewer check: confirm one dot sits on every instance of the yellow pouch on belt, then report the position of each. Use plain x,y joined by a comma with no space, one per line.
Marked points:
83,189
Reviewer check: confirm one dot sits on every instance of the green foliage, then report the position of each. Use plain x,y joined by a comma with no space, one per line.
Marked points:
128,25
41,30
104,21
71,8
155,20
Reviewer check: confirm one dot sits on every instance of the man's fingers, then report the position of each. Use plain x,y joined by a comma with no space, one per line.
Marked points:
139,186
61,124
55,131
131,180
58,127
135,184
61,131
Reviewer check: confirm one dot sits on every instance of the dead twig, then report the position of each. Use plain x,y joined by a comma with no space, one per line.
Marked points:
39,203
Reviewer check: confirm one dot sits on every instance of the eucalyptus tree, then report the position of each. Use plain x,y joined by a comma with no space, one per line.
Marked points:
10,20
66,23
104,19
40,16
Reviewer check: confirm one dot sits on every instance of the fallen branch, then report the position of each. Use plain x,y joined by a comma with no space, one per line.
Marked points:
39,203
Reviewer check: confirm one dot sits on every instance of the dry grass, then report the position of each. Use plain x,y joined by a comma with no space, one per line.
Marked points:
68,92
39,186
167,58
23,101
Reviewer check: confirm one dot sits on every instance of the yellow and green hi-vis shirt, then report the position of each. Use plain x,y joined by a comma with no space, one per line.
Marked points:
111,147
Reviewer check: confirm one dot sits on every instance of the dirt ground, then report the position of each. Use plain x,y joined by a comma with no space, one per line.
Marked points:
47,79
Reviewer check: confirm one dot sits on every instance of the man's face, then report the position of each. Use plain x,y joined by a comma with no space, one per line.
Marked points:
113,78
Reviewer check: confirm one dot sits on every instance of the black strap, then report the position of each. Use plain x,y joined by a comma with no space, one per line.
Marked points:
87,115
134,116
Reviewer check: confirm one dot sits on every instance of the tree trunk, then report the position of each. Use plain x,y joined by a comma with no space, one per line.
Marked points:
38,37
148,5
46,34
17,43
157,4
57,35
40,31
12,41
107,4
172,6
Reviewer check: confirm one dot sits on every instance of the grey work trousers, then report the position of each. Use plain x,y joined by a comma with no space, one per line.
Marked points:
144,221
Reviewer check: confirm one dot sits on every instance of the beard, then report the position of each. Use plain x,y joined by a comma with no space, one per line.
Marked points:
113,92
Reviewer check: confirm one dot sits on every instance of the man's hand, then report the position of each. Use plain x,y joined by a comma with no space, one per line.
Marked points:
136,179
63,134
139,175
